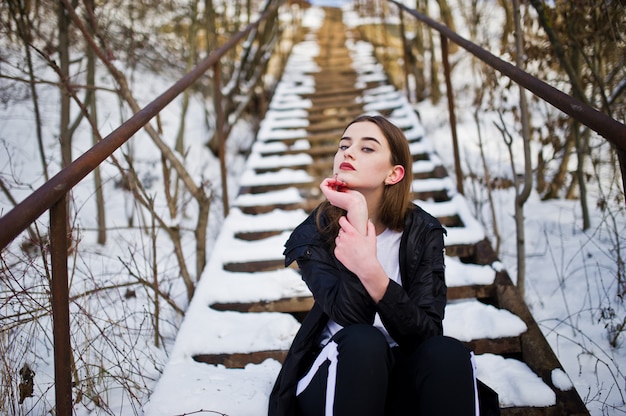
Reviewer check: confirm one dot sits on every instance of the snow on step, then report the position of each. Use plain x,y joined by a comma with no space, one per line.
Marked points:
232,287
280,197
257,161
277,116
516,384
277,219
239,251
421,147
471,232
282,177
425,166
377,94
469,320
290,103
467,274
226,332
434,184
276,120
200,386
261,147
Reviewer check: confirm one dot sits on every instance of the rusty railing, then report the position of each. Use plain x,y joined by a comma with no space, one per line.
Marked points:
52,196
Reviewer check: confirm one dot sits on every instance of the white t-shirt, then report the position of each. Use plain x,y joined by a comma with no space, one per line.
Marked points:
387,251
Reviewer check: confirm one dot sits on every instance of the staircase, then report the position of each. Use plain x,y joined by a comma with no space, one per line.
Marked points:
248,306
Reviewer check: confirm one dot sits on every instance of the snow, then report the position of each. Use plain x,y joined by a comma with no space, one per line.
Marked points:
284,176
193,388
561,380
284,196
517,385
569,270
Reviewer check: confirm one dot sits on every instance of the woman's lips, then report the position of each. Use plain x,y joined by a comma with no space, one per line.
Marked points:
346,166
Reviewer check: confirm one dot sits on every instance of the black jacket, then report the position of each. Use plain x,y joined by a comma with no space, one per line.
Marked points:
411,313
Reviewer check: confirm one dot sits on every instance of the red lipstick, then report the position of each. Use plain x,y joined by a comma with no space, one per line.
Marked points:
346,166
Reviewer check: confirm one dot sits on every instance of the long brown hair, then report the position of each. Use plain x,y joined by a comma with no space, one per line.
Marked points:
396,198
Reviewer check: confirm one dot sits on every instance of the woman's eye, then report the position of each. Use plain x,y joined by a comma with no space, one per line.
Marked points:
343,147
368,149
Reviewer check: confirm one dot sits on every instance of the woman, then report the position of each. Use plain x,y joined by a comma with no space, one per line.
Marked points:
372,344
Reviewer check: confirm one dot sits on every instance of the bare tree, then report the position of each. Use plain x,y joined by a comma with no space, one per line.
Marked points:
63,48
91,104
521,196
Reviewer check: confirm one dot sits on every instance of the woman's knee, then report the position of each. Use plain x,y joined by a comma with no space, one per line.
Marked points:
443,349
363,340
442,369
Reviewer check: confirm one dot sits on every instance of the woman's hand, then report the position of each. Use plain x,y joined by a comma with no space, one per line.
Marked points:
357,252
339,195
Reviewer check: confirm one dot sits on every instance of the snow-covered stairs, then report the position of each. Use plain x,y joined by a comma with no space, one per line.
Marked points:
247,306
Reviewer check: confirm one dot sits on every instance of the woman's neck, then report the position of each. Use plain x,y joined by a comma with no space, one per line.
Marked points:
373,207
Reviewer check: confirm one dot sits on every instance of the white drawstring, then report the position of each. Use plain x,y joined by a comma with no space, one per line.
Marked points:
473,360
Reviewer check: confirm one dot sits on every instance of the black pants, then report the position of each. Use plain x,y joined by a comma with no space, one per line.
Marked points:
358,374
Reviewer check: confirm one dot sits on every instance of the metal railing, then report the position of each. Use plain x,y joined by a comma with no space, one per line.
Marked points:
607,127
52,196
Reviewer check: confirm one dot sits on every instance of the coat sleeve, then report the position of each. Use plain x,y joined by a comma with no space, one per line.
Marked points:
338,291
414,311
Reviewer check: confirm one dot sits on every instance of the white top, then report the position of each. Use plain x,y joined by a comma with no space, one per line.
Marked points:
387,251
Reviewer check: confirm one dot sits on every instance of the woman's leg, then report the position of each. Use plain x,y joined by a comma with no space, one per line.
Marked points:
437,378
351,376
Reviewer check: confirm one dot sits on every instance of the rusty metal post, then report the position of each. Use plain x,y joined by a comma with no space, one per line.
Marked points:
219,132
450,95
60,308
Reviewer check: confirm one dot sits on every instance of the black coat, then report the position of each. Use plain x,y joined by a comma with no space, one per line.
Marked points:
411,312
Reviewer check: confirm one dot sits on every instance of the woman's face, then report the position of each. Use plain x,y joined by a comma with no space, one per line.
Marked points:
363,160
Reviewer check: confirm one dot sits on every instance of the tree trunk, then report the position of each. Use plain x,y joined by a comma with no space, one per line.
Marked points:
435,92
91,103
558,181
418,60
486,173
448,20
580,151
508,24
64,67
522,197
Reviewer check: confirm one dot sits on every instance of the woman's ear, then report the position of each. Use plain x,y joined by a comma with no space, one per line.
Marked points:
395,176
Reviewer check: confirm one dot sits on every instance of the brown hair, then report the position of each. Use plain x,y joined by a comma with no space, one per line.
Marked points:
396,198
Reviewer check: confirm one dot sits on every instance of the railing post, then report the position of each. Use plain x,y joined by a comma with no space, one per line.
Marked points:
450,95
219,132
60,308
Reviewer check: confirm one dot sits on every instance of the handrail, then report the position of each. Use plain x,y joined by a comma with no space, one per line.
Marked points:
607,127
31,208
